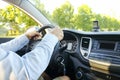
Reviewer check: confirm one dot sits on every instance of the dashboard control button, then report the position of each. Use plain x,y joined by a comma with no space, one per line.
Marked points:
85,54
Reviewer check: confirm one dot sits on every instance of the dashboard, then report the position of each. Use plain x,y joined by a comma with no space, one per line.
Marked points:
71,45
91,55
85,56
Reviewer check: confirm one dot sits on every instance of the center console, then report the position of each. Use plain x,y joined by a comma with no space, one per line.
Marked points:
103,55
108,51
101,50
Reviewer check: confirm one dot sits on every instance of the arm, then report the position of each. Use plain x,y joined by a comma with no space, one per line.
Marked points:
38,59
32,64
15,44
19,42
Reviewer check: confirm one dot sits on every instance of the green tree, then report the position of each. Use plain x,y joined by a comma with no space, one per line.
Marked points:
15,17
41,8
83,19
63,15
107,22
2,28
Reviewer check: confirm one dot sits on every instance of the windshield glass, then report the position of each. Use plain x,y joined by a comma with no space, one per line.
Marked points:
82,14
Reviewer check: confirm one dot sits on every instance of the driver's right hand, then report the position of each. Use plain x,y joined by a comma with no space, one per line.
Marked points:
58,33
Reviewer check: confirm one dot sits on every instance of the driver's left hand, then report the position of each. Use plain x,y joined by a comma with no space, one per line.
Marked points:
32,33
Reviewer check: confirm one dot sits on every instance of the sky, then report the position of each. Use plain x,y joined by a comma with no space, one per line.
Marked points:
110,7
2,4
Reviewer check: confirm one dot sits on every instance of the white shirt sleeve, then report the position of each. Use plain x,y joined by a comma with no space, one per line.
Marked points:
31,65
15,44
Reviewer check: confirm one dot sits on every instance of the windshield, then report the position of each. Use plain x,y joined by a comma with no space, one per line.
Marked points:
81,14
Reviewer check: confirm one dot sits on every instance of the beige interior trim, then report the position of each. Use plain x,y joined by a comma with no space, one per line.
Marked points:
99,66
100,70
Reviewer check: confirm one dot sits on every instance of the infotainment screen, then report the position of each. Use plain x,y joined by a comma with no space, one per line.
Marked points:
107,46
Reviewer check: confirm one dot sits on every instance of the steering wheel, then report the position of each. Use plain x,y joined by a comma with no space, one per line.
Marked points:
27,48
44,27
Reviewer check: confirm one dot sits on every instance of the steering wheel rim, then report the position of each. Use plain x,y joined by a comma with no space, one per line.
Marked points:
40,30
27,47
45,27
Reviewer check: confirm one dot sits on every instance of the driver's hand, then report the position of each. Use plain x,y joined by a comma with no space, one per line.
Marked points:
62,78
32,33
57,32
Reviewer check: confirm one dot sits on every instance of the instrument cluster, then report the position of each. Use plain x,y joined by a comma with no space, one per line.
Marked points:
70,45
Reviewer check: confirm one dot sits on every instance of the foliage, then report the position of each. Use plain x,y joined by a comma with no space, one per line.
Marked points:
83,19
107,22
41,8
15,18
63,15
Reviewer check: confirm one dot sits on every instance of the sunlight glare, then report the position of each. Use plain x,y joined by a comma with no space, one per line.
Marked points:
3,4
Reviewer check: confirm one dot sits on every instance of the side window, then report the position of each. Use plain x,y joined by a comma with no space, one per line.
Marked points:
13,22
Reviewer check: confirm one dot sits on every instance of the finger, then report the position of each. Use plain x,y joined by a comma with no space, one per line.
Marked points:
37,33
37,37
34,38
40,34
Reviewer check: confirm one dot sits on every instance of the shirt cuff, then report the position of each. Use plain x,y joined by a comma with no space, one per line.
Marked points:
23,39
